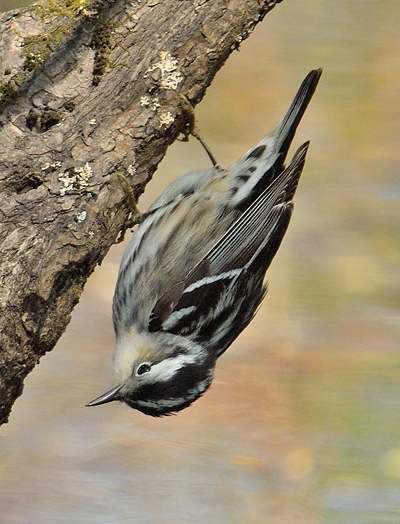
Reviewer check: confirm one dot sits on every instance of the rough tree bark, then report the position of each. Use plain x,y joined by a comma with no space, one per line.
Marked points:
88,89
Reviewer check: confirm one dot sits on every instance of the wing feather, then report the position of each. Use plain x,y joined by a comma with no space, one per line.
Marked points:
249,230
243,253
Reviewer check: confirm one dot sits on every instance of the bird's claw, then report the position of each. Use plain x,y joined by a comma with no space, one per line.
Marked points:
191,129
135,216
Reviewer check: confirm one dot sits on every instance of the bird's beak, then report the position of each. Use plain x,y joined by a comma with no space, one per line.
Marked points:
109,396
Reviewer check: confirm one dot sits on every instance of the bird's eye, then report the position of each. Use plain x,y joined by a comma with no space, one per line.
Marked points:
143,368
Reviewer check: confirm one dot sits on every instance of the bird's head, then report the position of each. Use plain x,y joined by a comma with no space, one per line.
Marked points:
158,374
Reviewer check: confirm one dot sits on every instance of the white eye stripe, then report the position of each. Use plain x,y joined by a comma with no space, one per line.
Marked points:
166,369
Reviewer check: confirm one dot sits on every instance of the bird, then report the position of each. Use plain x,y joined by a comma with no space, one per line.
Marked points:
192,276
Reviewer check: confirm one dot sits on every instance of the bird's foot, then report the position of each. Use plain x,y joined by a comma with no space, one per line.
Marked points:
191,129
135,216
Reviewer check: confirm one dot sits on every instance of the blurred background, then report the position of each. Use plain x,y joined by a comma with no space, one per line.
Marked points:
302,422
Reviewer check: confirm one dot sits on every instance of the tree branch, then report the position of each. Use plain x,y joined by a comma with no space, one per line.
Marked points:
87,90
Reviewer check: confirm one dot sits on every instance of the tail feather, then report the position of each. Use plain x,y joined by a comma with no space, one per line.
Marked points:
287,128
262,164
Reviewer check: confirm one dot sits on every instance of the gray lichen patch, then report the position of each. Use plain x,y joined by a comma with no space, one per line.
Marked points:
80,217
75,180
131,170
170,74
50,165
166,118
150,101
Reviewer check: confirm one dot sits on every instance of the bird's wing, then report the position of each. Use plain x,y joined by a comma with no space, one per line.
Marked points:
248,245
247,233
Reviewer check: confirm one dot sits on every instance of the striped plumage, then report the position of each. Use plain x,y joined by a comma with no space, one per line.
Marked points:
191,278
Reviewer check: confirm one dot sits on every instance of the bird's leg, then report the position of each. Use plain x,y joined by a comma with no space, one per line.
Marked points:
134,217
191,129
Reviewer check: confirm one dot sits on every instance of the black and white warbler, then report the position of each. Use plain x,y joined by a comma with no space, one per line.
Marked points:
191,278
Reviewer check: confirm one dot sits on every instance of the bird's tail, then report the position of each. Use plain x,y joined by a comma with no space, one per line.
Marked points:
286,130
262,164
